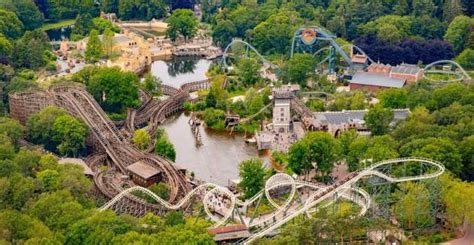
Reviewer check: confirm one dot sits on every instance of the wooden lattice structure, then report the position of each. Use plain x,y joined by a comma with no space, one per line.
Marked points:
112,146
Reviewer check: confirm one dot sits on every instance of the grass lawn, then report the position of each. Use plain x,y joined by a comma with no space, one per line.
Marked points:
55,25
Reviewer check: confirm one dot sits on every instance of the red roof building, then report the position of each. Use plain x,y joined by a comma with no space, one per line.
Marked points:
378,68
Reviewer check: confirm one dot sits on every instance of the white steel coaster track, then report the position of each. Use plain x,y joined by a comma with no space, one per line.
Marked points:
287,210
461,73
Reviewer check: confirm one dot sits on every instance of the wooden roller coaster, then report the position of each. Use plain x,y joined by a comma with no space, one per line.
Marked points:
112,145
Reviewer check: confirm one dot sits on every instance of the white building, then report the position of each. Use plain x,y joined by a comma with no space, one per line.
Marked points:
281,112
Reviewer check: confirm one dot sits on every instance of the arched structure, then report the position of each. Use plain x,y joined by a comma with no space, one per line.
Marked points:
353,46
306,37
290,208
461,73
248,45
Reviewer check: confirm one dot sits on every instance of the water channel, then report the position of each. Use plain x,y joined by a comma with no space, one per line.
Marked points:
217,159
59,34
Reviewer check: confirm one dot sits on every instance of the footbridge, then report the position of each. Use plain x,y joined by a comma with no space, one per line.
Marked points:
222,206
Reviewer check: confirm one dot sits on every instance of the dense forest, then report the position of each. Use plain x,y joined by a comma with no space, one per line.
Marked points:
388,31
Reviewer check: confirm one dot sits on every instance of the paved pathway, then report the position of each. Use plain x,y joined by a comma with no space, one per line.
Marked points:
467,239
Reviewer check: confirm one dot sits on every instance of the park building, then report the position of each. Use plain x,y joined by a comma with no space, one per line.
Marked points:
281,111
359,61
336,122
410,73
379,76
373,82
143,174
132,51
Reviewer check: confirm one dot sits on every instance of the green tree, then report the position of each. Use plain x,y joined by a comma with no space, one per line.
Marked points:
393,98
6,47
19,227
40,126
94,49
300,68
32,50
174,218
458,32
348,101
252,175
11,128
213,117
451,9
182,22
458,198
141,139
466,148
378,120
27,12
151,84
101,24
71,133
253,102
27,161
318,149
440,149
274,34
108,42
58,210
315,105
114,89
217,96
161,189
140,9
164,148
413,206
465,58
448,94
248,70
223,33
19,83
98,228
10,26
423,7
49,178
7,150
345,140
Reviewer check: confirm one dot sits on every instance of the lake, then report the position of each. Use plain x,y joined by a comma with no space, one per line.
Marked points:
179,70
217,159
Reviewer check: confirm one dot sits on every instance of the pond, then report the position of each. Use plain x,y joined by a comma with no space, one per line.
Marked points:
59,33
179,70
217,159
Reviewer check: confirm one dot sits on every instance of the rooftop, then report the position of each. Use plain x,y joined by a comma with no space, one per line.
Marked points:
406,69
143,170
230,228
340,117
359,58
365,78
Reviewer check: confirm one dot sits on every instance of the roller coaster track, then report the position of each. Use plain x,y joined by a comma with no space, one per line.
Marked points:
300,108
358,49
311,93
226,53
324,35
288,210
78,102
462,74
247,119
